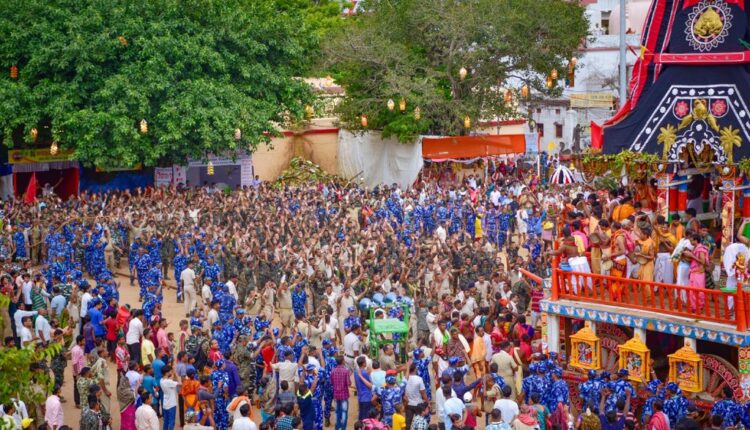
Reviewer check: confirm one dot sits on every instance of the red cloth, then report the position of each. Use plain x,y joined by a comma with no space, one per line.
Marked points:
658,421
268,354
30,196
596,135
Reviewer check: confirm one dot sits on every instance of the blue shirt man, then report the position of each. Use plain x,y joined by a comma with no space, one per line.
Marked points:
364,388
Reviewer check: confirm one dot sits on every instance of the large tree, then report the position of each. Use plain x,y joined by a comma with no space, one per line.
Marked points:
415,49
195,70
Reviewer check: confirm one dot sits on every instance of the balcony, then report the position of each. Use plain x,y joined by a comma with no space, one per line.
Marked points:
712,315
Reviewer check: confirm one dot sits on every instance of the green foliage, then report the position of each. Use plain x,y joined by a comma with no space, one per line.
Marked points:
17,376
194,69
414,49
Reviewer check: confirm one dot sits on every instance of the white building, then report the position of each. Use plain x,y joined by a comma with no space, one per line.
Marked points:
594,95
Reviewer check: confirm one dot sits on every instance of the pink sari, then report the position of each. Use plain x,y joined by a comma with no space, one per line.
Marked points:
698,278
127,418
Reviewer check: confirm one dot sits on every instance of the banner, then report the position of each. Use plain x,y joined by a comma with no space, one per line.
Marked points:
532,143
29,156
226,160
179,175
163,176
591,100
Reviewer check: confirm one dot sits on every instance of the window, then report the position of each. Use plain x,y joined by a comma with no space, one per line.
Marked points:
538,110
557,111
558,130
540,127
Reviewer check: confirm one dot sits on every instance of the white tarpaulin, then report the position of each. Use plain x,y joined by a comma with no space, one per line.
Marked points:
377,160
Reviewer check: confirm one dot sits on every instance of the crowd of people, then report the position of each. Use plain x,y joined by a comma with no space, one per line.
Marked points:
279,284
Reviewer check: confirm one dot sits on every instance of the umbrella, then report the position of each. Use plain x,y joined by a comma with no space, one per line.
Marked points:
562,176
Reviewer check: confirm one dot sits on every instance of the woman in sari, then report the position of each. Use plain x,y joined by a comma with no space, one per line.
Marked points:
126,398
698,261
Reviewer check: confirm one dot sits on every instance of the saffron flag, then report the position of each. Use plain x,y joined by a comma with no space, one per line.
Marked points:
30,195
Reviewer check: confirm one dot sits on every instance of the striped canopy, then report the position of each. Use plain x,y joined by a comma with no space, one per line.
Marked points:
563,176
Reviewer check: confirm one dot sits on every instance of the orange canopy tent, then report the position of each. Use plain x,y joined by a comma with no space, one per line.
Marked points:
437,148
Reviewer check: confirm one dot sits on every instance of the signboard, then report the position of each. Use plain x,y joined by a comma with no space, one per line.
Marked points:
41,155
220,160
246,172
180,175
163,176
591,100
532,143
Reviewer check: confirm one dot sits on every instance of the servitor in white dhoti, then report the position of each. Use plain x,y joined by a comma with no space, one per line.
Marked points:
665,243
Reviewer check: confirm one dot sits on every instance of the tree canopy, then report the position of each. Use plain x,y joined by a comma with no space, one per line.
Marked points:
195,70
414,50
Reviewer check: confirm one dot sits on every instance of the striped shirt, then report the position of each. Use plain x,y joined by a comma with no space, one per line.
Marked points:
537,295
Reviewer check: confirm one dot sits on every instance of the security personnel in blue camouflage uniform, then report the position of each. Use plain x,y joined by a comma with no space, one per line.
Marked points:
455,367
590,391
557,391
623,386
352,319
220,384
535,382
676,404
310,374
389,396
655,393
299,301
329,355
730,410
211,270
142,266
221,336
610,403
423,370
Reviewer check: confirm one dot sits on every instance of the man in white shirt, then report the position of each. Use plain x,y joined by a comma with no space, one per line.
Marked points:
352,345
187,279
85,299
508,407
416,393
232,286
213,314
440,233
169,385
287,370
25,333
453,405
20,315
244,423
133,336
42,328
432,318
206,295
145,416
469,303
495,197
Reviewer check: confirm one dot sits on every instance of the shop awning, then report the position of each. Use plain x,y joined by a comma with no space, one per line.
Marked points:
472,146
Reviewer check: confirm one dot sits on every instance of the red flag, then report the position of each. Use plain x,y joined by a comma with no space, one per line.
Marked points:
30,196
596,135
